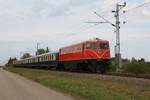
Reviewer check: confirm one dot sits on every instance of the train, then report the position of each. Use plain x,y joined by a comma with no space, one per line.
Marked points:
88,56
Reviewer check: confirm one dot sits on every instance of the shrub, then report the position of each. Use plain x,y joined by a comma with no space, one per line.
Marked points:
112,68
138,67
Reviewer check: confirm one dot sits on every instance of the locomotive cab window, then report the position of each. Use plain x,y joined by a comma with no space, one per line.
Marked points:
104,46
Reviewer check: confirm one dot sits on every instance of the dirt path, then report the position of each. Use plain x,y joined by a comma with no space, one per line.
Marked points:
14,87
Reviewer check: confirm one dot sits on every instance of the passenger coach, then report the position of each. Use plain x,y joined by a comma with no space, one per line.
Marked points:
47,60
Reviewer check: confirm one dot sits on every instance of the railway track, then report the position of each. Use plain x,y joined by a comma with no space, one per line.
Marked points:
128,80
141,80
144,76
137,79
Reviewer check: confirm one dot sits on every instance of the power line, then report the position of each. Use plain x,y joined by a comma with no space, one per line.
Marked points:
104,11
87,28
97,23
106,21
139,6
129,10
82,29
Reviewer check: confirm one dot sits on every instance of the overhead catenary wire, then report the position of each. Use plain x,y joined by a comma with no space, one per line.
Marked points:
139,6
131,9
105,11
81,29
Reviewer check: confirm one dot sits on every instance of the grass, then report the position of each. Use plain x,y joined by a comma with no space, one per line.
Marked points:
83,86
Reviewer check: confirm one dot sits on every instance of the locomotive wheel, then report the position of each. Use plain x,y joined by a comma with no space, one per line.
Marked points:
60,67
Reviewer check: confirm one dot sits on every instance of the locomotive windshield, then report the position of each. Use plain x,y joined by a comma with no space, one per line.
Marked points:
104,46
97,46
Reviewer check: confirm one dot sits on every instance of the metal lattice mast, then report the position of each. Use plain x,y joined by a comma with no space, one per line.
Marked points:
117,46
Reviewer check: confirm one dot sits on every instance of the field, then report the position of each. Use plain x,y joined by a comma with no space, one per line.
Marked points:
84,86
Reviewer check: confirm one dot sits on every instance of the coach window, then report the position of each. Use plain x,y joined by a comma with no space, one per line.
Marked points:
52,57
40,58
45,58
48,58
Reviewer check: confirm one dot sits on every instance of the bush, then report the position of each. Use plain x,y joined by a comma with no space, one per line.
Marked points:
138,68
112,68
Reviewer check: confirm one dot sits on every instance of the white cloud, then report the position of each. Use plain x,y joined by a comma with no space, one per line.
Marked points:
147,0
146,10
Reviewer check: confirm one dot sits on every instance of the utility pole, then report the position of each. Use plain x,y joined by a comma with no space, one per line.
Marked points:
117,46
117,30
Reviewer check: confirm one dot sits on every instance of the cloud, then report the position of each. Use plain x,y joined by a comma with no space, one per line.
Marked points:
146,10
108,3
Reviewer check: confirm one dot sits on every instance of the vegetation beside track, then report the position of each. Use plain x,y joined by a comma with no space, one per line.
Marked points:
138,67
85,86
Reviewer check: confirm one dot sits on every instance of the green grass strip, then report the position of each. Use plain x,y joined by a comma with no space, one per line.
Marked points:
85,86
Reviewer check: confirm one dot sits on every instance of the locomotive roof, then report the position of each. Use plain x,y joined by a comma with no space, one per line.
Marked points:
88,41
100,40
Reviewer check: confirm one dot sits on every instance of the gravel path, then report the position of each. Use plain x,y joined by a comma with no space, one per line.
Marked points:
15,87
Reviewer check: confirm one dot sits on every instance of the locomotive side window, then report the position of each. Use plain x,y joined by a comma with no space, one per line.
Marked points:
87,46
104,46
91,46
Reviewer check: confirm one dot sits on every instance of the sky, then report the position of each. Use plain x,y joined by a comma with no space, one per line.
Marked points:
58,23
